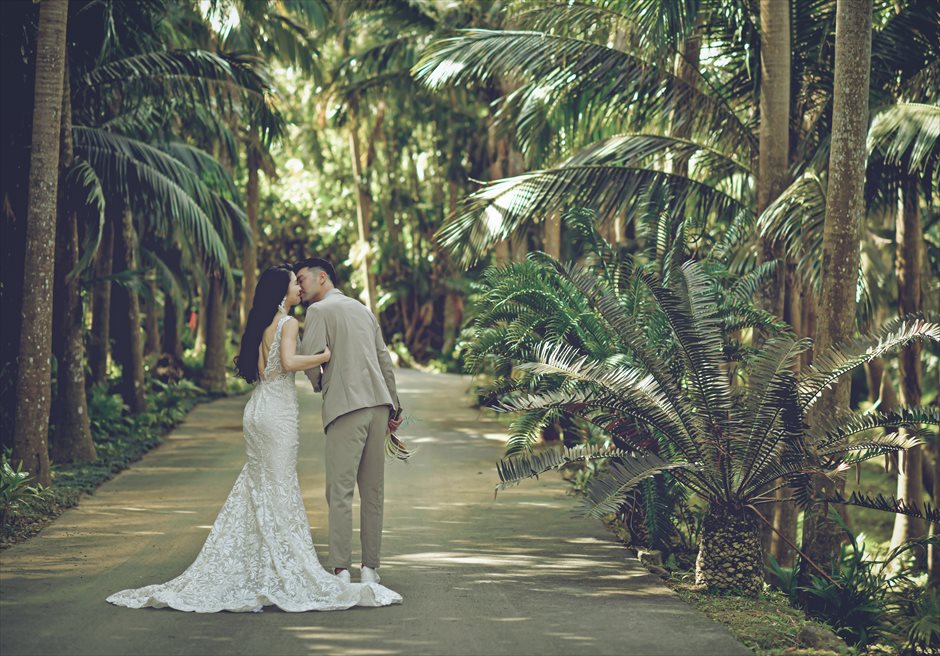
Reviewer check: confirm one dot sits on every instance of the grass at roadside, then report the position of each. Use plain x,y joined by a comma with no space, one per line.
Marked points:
767,625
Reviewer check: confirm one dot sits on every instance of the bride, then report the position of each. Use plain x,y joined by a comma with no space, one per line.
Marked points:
259,551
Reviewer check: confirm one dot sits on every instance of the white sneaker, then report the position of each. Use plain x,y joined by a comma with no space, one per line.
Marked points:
343,576
369,575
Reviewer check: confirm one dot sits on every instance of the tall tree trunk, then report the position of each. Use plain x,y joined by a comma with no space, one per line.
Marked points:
772,178
152,344
71,436
774,132
213,369
785,515
99,345
551,234
172,328
933,551
33,376
835,320
909,257
250,248
499,166
199,341
129,348
363,211
686,68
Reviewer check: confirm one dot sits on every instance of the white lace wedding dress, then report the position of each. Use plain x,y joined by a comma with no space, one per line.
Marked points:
259,551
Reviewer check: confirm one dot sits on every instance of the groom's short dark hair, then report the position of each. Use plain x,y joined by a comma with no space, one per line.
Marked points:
317,263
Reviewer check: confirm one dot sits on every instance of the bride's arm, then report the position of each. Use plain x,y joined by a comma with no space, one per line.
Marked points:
290,360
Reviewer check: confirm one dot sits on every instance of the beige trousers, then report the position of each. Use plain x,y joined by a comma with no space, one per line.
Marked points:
355,453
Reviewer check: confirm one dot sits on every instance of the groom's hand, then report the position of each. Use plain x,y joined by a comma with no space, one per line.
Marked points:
393,424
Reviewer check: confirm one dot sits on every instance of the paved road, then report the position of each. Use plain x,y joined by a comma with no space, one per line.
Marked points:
513,575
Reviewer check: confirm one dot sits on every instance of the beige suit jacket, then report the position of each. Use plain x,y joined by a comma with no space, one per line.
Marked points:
359,373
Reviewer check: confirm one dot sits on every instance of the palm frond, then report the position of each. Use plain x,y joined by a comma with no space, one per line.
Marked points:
515,469
131,168
82,183
209,170
691,316
605,491
829,365
833,434
569,74
746,287
875,446
889,504
771,397
909,133
795,220
223,81
574,18
500,209
632,391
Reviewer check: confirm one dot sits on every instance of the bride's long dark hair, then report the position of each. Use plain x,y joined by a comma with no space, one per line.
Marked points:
270,291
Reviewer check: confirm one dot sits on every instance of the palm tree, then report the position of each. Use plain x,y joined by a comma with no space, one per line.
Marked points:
392,125
33,374
591,113
840,247
573,109
646,364
72,441
904,150
139,115
281,32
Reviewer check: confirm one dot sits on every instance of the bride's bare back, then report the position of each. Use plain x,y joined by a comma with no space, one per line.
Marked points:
267,338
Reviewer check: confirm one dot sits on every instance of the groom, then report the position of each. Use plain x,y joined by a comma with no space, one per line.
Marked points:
359,403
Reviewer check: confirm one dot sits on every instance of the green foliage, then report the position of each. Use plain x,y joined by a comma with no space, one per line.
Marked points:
647,363
767,624
868,596
121,438
916,614
17,495
783,578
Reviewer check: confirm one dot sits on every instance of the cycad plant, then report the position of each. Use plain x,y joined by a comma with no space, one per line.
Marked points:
649,363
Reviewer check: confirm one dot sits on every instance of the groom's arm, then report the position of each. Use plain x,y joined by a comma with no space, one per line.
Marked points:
313,342
385,362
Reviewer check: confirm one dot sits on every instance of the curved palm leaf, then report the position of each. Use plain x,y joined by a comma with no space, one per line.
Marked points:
515,469
829,365
878,445
83,187
131,167
580,83
889,504
222,81
500,209
834,433
605,492
907,132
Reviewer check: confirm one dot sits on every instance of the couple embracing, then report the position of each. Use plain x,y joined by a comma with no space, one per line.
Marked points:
259,551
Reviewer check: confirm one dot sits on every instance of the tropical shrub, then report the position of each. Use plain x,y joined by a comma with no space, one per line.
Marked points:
17,494
867,598
650,361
